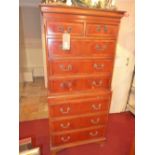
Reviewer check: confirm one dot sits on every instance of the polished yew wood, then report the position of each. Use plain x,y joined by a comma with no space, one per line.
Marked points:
101,30
63,67
77,136
132,148
104,48
75,123
78,84
100,141
59,98
57,28
79,79
81,11
79,107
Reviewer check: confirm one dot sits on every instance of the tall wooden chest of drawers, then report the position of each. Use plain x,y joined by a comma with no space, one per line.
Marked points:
79,79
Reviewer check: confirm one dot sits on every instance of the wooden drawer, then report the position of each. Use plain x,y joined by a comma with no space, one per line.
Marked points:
77,136
79,122
81,48
63,67
57,28
101,30
78,84
76,107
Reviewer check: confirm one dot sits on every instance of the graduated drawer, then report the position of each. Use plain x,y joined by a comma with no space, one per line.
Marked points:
57,28
77,136
101,30
81,48
79,83
79,122
74,107
57,67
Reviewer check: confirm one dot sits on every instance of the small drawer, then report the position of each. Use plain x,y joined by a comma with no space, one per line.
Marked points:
70,124
74,107
77,136
101,30
64,67
57,28
82,48
78,84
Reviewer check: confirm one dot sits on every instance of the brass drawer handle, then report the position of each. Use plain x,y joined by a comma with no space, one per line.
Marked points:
69,29
66,85
61,29
67,68
63,139
105,28
65,111
98,66
95,121
93,134
96,107
101,48
97,84
65,126
98,28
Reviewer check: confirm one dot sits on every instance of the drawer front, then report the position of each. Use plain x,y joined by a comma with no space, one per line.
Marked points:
77,136
57,28
60,67
101,30
81,48
79,107
70,124
66,85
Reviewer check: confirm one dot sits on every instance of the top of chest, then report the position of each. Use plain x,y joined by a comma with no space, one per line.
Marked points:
54,10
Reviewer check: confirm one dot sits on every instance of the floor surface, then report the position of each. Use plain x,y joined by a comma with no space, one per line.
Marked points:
33,101
120,133
34,124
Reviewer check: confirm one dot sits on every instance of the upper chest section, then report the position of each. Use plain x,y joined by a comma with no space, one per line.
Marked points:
80,22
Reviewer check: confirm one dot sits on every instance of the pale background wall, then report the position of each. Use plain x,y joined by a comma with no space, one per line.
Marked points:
31,55
30,40
125,51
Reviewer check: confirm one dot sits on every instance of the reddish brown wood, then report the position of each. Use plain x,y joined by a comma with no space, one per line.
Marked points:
89,95
79,79
63,67
79,107
57,28
81,48
101,30
72,84
132,148
74,144
77,136
45,8
75,123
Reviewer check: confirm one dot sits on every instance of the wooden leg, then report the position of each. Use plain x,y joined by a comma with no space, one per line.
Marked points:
101,143
54,152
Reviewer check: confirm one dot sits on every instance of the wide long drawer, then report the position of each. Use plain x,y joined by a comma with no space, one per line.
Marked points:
78,122
63,84
81,48
77,136
76,107
78,66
